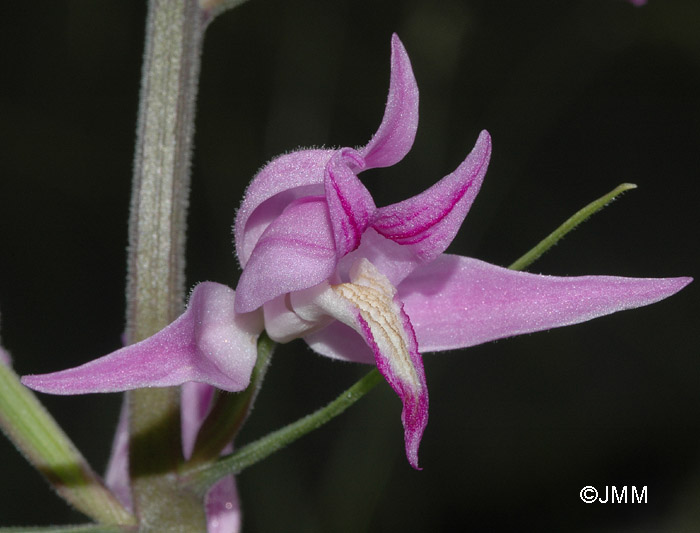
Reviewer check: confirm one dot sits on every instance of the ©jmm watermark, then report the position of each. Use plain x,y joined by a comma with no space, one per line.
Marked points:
614,494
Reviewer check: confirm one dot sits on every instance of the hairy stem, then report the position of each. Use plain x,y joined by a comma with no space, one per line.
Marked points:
156,261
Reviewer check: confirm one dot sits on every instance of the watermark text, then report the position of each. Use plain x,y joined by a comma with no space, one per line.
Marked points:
614,494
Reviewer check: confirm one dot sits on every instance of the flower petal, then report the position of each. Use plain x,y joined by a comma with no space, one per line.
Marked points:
368,305
222,504
396,133
428,222
456,301
117,474
350,204
296,251
195,401
278,183
283,325
341,342
209,343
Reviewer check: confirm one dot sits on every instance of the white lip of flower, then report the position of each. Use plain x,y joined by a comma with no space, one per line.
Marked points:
368,298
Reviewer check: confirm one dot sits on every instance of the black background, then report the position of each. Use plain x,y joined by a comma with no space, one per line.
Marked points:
579,96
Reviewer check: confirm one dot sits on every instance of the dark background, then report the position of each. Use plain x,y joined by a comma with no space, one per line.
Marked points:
579,96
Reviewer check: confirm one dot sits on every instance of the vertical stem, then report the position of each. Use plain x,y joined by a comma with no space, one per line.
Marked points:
155,285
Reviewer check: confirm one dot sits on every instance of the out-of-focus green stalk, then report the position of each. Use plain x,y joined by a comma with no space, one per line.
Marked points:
37,435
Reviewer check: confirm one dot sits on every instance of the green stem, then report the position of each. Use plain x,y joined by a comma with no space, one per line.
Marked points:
216,7
573,221
155,285
37,435
84,528
200,479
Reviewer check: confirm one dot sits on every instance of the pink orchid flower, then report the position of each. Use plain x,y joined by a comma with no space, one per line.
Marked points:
358,283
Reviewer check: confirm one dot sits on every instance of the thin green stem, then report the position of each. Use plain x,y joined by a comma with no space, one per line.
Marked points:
36,434
573,221
200,479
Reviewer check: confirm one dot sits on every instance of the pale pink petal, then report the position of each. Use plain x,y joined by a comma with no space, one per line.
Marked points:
282,324
396,133
209,343
223,507
295,252
428,222
195,401
350,204
456,301
221,503
339,341
278,183
390,258
117,475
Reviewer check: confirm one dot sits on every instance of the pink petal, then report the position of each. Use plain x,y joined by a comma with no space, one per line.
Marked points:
390,258
349,203
117,475
281,181
209,343
295,252
195,401
456,301
396,133
283,325
222,503
428,222
223,507
339,341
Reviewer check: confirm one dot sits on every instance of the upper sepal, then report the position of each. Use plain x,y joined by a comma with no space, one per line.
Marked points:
396,133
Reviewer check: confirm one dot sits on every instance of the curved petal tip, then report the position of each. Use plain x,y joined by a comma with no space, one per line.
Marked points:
396,133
